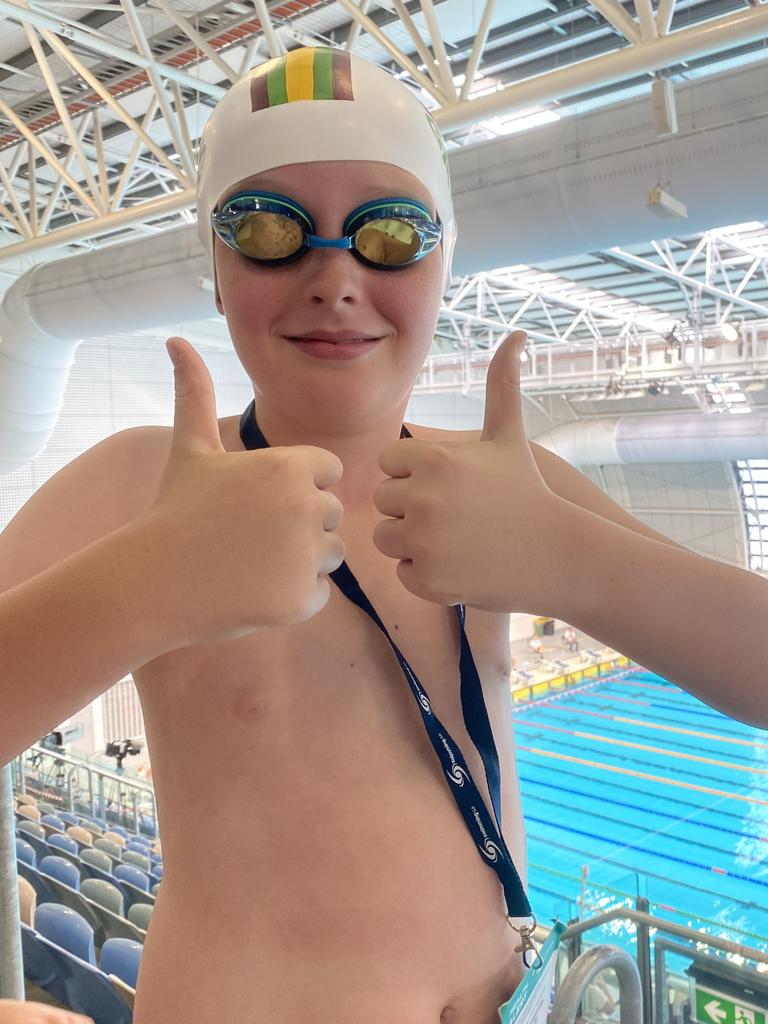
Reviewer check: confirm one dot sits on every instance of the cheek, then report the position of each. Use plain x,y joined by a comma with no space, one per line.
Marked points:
250,298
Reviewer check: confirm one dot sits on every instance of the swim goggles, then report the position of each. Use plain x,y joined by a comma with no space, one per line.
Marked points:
273,230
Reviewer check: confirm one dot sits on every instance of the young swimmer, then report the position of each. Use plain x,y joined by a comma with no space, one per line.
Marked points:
319,857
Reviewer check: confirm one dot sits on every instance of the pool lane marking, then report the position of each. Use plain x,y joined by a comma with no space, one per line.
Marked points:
644,746
655,725
666,829
660,854
696,809
694,732
645,775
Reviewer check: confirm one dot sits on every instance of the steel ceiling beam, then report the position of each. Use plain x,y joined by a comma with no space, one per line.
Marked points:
95,42
718,34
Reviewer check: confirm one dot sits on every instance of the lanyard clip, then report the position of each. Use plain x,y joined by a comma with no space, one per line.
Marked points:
527,945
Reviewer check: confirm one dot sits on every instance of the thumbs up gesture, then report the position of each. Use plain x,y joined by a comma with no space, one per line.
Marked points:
474,522
236,540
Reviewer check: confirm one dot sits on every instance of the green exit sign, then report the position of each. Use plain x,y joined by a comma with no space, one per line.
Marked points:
715,1008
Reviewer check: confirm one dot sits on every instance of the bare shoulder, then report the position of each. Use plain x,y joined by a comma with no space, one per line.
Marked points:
102,490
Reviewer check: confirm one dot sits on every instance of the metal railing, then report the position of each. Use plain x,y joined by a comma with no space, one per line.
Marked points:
644,987
76,783
583,972
636,360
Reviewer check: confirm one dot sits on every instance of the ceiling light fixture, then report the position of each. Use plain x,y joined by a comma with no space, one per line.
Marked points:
728,331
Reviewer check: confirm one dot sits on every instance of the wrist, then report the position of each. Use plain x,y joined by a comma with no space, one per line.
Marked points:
567,570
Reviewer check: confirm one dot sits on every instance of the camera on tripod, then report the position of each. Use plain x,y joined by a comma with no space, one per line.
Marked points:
120,749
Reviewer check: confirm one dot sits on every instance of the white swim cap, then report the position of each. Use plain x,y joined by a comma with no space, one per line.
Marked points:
320,103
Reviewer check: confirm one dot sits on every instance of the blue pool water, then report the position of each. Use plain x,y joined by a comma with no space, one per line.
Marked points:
657,794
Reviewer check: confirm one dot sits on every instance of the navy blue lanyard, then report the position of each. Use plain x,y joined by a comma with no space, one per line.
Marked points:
487,837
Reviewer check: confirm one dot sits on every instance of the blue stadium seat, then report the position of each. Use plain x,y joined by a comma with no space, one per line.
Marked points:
121,957
142,841
137,847
132,893
54,820
69,819
87,822
43,891
62,847
68,895
61,869
81,986
121,831
28,831
41,964
130,873
67,929
63,842
25,852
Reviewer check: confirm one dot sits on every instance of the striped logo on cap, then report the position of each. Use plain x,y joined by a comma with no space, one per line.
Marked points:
309,73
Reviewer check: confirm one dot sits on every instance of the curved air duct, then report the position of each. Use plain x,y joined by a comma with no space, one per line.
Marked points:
679,437
53,307
572,187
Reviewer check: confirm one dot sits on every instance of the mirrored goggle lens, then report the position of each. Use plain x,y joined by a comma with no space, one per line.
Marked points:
268,236
388,241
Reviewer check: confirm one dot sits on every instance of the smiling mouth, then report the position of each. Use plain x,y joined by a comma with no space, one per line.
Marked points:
333,341
346,341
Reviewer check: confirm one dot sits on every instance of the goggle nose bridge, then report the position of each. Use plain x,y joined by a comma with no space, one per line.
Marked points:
316,242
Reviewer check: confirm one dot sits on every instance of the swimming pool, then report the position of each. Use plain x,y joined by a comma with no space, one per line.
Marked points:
631,787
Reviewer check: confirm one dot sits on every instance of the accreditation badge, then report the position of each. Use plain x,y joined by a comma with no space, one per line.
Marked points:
530,1001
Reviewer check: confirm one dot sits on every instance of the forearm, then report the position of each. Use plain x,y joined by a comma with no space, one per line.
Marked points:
691,619
70,633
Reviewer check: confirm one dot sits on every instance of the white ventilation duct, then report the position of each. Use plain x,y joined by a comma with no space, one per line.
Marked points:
568,188
675,437
580,185
53,307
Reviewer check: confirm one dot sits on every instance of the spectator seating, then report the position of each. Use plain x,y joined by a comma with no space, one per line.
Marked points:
64,940
27,901
86,897
122,958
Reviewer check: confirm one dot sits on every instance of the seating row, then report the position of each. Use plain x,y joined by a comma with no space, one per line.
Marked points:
60,957
112,907
97,826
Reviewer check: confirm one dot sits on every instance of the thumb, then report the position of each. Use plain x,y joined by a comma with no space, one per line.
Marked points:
503,402
195,424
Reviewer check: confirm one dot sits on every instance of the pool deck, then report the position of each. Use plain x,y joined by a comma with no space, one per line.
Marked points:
558,662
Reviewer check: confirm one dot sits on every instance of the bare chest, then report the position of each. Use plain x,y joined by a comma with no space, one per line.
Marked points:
305,751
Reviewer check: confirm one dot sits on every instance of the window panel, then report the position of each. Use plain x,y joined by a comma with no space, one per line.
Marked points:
752,478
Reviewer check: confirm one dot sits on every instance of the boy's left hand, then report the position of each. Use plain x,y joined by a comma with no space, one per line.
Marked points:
474,521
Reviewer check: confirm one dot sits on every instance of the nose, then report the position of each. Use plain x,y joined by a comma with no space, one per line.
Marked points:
332,277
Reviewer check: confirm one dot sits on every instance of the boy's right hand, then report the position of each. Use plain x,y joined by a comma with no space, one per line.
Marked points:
236,540
14,1012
